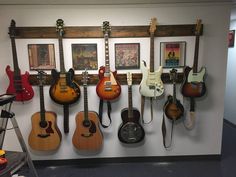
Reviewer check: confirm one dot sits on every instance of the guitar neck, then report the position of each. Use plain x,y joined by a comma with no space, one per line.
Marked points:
195,61
42,106
61,53
14,54
85,102
130,108
107,63
174,92
152,52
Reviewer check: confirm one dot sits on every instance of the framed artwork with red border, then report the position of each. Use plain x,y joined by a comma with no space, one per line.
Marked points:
231,37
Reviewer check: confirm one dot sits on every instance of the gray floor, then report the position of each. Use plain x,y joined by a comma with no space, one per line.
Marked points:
226,167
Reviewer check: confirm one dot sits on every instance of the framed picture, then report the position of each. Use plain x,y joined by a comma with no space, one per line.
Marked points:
84,56
231,36
172,54
41,56
127,56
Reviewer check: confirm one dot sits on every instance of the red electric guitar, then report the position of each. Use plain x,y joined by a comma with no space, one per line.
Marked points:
107,88
19,83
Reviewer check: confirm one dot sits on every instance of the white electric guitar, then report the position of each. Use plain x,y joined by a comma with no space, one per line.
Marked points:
151,84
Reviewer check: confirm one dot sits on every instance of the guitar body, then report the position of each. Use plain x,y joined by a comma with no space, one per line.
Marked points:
44,136
173,111
107,88
193,85
130,131
151,84
87,135
64,90
19,86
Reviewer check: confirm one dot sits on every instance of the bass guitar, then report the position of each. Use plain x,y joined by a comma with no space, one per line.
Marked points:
64,90
45,135
194,85
130,131
151,84
173,108
87,135
19,83
108,88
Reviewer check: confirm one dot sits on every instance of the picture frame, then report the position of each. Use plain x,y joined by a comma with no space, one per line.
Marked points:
84,56
231,37
41,56
127,55
172,54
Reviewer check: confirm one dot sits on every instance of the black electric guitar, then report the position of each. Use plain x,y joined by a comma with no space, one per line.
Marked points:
64,90
130,131
173,108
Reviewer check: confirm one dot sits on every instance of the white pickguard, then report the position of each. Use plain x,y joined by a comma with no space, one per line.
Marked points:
196,77
112,79
151,84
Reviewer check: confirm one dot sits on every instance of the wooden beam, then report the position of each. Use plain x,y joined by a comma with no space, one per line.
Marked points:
96,32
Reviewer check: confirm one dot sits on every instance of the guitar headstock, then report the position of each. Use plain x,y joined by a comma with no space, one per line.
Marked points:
60,29
129,78
85,78
198,27
173,75
12,29
106,28
153,25
40,76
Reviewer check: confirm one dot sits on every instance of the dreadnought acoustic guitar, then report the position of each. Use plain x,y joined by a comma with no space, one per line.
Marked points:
194,85
19,83
87,136
64,90
108,87
173,108
151,84
130,131
45,135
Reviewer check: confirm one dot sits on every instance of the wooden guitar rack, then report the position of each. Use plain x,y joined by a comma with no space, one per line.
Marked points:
96,32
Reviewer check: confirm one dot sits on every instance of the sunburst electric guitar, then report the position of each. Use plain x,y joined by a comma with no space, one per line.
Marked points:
87,136
108,87
151,84
45,135
64,90
19,83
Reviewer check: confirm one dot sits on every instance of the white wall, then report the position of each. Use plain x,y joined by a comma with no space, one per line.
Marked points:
204,139
230,95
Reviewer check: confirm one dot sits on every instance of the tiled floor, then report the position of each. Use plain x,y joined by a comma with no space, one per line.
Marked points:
226,167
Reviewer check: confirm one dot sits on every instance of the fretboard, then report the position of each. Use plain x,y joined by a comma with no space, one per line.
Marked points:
152,52
14,54
107,63
130,108
42,106
195,61
85,103
61,53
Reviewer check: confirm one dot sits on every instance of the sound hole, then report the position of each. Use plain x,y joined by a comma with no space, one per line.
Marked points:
43,124
86,123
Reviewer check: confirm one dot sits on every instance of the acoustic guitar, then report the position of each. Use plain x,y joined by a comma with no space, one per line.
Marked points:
45,135
130,131
173,108
108,88
87,136
19,83
151,84
63,90
194,85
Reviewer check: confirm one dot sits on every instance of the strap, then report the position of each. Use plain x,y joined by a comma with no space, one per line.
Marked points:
163,128
108,113
142,109
189,123
66,118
